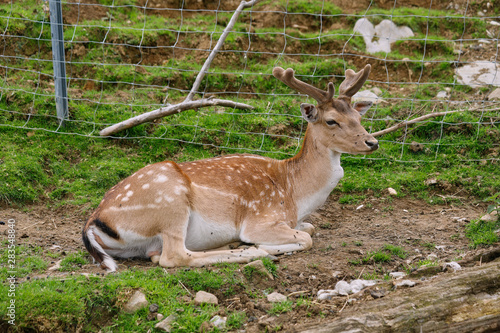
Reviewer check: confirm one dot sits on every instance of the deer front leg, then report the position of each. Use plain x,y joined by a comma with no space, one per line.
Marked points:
276,237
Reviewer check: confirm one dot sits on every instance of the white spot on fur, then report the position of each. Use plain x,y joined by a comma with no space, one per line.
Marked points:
119,195
129,193
127,186
150,172
158,199
160,179
179,189
145,186
163,168
168,199
140,176
125,199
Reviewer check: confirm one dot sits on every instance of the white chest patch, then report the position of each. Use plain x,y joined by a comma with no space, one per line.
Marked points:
203,234
310,203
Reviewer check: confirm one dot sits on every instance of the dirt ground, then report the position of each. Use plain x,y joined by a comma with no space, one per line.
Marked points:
344,233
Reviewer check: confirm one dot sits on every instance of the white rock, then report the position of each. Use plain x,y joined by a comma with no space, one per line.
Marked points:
405,283
202,297
327,294
166,324
386,31
479,74
366,96
358,285
495,94
159,316
392,191
276,297
343,288
359,207
454,265
219,322
137,301
432,257
440,247
442,94
489,217
397,275
494,23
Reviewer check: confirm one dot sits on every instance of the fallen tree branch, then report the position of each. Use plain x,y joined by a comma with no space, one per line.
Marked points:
169,110
211,56
427,116
188,104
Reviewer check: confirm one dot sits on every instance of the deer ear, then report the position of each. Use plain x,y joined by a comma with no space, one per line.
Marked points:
362,106
309,112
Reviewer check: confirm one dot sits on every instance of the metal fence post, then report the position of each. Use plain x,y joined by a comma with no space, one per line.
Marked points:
56,28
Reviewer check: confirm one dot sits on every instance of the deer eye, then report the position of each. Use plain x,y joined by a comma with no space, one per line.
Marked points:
331,122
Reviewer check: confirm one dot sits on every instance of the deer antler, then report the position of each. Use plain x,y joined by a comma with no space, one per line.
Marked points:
288,78
353,81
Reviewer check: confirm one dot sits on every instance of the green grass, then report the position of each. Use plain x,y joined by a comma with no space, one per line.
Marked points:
91,302
482,233
281,307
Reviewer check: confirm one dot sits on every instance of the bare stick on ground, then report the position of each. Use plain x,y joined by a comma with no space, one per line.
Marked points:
188,103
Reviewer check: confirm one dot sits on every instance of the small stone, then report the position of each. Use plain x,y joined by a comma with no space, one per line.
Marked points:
153,307
219,322
276,297
137,301
431,181
432,257
442,94
159,316
491,217
416,147
166,324
397,275
440,247
495,94
336,274
405,283
259,268
202,297
452,265
392,191
377,293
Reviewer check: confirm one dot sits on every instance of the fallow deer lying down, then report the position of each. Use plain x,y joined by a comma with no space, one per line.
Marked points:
182,214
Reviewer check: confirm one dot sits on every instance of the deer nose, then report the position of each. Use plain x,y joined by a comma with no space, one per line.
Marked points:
373,145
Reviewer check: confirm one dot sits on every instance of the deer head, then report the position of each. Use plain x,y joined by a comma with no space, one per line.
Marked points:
335,122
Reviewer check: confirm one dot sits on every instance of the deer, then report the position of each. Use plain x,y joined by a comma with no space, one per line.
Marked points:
185,214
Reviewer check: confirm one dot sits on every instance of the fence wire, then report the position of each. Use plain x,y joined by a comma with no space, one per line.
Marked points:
128,57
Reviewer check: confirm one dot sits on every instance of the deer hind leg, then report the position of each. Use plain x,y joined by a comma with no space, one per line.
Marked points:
306,227
276,238
174,252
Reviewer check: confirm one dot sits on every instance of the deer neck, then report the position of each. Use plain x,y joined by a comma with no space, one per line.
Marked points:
312,174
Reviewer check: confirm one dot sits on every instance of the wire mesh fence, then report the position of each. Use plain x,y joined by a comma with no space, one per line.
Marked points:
128,57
